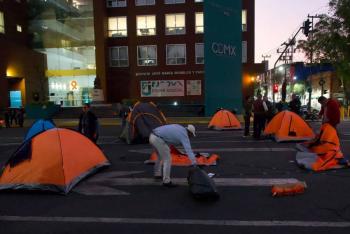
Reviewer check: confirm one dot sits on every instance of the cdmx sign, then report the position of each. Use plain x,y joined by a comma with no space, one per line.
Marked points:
221,49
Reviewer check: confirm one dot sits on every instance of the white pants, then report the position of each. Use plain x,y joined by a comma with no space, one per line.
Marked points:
163,159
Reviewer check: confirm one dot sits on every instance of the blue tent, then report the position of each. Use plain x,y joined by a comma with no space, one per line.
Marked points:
39,126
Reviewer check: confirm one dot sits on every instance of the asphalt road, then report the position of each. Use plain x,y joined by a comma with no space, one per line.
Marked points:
124,198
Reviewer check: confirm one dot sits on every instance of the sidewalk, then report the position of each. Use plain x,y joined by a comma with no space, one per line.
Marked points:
117,121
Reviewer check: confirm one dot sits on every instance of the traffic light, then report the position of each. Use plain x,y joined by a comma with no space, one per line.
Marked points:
275,88
307,27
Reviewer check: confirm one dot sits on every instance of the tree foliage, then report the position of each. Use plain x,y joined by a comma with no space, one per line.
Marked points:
330,40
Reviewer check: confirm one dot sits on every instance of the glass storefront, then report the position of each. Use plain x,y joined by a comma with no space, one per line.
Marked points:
64,31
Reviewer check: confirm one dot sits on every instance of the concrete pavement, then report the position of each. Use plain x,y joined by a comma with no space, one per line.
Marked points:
125,199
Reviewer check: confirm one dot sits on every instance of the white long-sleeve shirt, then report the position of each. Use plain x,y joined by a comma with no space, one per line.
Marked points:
175,134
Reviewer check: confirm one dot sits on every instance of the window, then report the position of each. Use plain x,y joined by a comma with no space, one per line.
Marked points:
147,55
146,25
116,3
117,27
199,53
2,23
119,56
244,52
244,20
174,1
175,24
176,54
199,22
144,2
19,28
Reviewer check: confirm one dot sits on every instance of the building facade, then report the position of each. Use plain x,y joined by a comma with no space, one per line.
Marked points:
22,70
64,50
63,30
154,49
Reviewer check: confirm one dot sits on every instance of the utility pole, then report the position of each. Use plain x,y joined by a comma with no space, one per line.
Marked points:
266,56
288,44
307,30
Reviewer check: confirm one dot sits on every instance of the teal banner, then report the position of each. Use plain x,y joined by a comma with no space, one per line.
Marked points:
223,55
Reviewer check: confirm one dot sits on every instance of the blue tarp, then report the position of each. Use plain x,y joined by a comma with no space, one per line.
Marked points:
39,126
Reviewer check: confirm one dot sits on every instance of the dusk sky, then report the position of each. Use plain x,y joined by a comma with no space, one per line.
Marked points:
278,20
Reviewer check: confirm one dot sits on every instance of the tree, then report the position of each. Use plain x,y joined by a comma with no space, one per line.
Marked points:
330,41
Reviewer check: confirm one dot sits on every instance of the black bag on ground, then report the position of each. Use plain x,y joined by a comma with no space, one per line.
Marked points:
201,185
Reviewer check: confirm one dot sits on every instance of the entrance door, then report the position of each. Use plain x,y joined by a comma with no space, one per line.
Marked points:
15,99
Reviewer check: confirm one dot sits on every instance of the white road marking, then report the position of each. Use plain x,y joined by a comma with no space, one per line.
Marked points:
216,150
98,190
91,186
202,222
222,182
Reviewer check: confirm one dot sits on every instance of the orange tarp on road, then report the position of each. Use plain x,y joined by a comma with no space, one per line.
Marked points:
180,159
323,153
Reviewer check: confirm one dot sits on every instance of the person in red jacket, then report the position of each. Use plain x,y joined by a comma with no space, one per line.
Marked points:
329,111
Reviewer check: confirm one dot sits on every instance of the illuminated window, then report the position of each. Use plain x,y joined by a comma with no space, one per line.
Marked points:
117,27
19,28
145,2
199,22
199,53
244,20
176,54
116,3
175,24
174,1
146,25
119,56
2,23
147,55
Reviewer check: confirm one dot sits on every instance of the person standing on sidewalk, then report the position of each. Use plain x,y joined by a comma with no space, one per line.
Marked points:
88,123
248,104
161,138
259,116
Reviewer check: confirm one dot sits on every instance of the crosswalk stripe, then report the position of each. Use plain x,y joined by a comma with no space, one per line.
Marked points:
244,223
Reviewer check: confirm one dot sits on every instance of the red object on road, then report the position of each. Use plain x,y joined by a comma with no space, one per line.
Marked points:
288,189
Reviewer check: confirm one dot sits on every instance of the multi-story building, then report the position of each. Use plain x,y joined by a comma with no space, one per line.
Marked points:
63,30
136,48
22,70
154,49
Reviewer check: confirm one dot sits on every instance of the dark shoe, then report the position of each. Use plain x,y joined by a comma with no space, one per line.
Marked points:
157,177
170,185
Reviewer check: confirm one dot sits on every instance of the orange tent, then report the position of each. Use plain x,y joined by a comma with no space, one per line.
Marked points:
55,160
180,159
224,120
288,126
323,153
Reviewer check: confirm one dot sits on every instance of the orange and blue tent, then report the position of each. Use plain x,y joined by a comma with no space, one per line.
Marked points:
288,126
224,120
39,126
55,160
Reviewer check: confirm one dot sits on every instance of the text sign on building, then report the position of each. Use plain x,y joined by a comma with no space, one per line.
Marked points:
223,54
194,87
162,88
